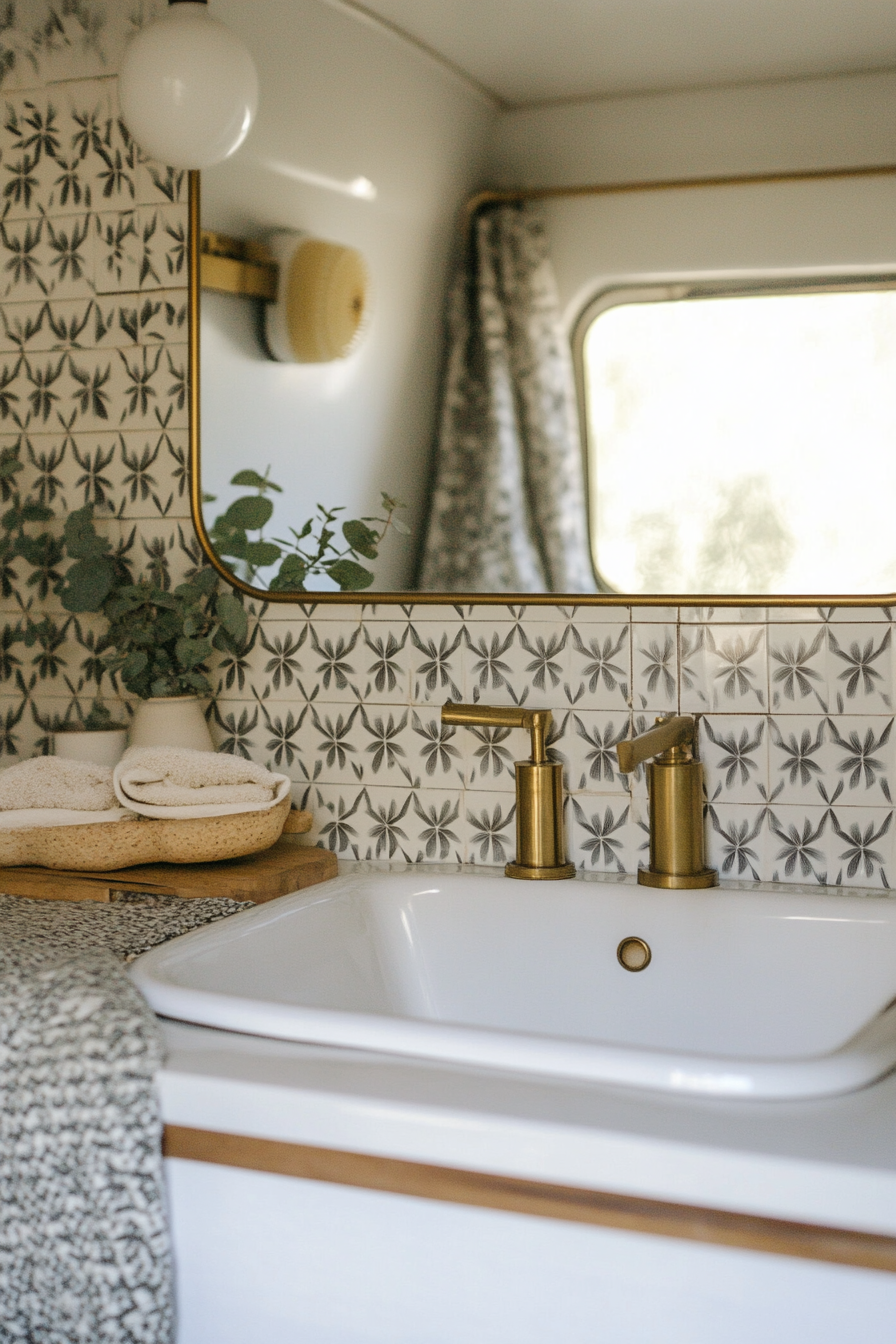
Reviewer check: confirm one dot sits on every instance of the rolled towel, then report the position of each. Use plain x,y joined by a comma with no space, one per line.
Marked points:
177,782
50,791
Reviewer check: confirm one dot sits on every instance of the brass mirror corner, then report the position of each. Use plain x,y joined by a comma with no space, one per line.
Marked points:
367,597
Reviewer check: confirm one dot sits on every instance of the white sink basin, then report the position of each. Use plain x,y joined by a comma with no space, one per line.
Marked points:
747,994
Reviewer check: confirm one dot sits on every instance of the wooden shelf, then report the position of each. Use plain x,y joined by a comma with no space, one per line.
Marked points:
287,866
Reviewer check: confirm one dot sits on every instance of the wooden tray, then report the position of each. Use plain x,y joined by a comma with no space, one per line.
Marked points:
287,866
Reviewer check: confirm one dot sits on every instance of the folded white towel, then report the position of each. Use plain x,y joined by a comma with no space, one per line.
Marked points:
51,782
177,782
24,818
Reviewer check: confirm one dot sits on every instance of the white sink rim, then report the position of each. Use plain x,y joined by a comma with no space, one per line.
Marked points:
865,1057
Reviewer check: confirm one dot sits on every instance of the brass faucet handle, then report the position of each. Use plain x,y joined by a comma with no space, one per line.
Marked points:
537,721
540,844
672,731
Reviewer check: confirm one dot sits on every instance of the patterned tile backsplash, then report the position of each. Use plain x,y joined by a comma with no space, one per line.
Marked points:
799,765
796,706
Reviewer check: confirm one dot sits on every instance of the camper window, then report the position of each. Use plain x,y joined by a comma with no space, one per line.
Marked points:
742,441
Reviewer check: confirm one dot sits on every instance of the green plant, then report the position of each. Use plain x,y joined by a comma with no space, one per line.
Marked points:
158,640
42,552
96,570
45,552
312,551
100,719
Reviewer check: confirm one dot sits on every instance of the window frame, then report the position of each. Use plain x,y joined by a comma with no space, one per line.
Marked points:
623,292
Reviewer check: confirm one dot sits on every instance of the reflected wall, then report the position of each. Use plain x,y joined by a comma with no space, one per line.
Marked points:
341,101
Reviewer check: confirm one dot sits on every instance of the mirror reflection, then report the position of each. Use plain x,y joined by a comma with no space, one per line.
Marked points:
390,405
718,426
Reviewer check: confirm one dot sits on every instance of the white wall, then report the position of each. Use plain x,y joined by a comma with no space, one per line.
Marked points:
808,124
833,226
796,124
341,99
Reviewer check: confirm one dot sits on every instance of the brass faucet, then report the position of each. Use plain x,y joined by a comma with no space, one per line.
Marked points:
675,785
540,848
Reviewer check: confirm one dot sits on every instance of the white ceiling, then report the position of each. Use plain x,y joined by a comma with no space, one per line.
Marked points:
535,51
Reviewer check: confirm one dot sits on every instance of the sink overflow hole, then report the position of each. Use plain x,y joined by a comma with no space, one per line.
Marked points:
633,954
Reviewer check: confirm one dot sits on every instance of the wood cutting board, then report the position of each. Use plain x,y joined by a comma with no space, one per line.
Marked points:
287,866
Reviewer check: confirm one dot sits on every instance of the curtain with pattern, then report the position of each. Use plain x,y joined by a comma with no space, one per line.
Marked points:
508,511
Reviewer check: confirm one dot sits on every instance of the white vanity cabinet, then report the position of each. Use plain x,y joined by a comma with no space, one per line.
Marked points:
273,1258
283,1258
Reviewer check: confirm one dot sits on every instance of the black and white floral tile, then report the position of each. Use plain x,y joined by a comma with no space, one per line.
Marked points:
796,705
795,728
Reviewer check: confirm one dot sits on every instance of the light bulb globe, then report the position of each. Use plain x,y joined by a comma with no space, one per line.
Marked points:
188,88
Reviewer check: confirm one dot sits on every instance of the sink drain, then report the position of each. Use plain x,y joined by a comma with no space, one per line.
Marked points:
633,954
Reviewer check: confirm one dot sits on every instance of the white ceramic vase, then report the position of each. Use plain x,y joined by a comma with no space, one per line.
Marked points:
171,721
105,747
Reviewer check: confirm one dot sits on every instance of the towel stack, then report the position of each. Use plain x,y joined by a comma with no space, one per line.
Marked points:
170,783
50,791
174,782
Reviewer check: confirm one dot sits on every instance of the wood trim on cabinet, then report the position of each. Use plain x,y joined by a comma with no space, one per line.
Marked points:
774,1236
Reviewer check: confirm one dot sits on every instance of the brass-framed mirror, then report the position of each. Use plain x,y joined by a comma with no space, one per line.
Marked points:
603,598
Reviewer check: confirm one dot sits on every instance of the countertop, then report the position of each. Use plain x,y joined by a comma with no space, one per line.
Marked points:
830,1162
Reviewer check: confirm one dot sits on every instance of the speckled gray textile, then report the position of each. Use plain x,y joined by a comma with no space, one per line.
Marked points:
84,1249
126,927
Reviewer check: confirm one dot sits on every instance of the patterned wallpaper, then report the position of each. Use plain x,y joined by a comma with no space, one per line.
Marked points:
797,706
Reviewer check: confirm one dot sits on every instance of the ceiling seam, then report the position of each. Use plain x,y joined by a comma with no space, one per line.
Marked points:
360,13
577,100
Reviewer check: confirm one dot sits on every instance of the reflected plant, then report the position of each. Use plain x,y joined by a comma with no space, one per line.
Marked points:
315,551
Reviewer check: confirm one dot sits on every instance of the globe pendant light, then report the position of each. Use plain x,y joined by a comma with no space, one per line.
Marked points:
188,88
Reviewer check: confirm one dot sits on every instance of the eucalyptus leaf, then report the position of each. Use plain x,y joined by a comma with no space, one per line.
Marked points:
232,615
291,574
205,579
252,478
9,465
100,720
234,545
191,652
34,512
350,576
82,541
260,554
135,663
42,551
250,512
361,538
87,584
